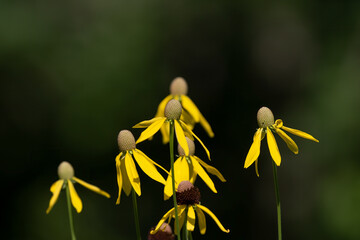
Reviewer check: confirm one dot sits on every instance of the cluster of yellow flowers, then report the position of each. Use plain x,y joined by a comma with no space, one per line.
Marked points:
177,114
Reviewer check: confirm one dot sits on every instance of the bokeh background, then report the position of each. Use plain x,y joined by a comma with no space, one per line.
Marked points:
74,73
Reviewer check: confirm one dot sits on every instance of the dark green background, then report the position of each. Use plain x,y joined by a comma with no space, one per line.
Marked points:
74,73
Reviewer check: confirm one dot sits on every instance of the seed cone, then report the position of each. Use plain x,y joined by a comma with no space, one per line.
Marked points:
178,86
191,148
65,170
187,194
265,117
165,233
126,140
173,109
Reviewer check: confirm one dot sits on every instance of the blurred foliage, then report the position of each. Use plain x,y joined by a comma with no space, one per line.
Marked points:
73,74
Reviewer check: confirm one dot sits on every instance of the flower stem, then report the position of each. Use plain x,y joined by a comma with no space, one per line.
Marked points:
73,237
277,200
171,144
136,216
185,231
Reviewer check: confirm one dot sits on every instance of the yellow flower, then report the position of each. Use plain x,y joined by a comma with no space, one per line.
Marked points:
187,167
188,199
267,127
191,114
172,114
127,175
66,175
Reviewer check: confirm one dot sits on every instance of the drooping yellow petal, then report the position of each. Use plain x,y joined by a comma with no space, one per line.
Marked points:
181,216
91,187
153,162
180,136
118,177
187,118
55,189
151,130
273,148
162,105
210,169
201,172
165,132
201,220
300,133
205,209
187,129
190,219
181,221
163,219
204,123
125,179
256,168
254,151
148,167
289,142
75,199
147,123
190,107
181,168
132,173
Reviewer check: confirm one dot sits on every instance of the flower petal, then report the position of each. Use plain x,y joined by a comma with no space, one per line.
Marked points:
55,189
205,209
151,130
180,136
181,168
148,167
118,177
125,179
162,105
254,150
190,107
201,220
300,133
193,134
273,148
181,216
153,162
210,169
165,132
91,187
256,168
132,173
206,126
289,142
147,123
75,199
163,219
199,170
190,219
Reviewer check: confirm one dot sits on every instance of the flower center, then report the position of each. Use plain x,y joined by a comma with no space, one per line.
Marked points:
265,117
65,170
187,194
126,140
164,233
178,86
191,148
173,109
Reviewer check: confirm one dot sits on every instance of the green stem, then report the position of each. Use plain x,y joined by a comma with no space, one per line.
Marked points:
277,200
190,236
171,144
185,231
136,215
73,237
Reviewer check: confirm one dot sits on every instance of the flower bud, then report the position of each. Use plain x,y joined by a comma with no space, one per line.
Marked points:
191,148
65,170
265,117
178,86
164,233
173,109
126,140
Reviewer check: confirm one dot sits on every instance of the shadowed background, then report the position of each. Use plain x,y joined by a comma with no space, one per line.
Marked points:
73,74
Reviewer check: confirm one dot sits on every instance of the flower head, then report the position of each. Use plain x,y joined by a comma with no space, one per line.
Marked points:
127,175
188,199
191,114
165,233
267,127
67,178
187,167
172,115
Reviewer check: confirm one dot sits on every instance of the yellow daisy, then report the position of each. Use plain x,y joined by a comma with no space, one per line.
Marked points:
188,198
267,126
191,114
187,167
66,175
127,175
172,114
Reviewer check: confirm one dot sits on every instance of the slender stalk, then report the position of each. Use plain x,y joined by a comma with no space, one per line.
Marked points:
277,200
136,216
190,236
171,144
73,237
185,231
